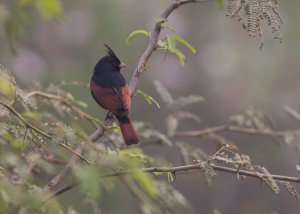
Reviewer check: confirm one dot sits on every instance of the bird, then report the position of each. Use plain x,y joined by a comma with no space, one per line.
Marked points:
110,90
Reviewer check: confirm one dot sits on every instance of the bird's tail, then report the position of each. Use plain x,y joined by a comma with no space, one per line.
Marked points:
128,133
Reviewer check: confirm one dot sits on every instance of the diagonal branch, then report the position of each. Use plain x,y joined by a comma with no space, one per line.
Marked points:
27,124
153,41
73,160
30,126
132,85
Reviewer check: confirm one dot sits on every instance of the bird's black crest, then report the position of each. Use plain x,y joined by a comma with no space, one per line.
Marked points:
111,53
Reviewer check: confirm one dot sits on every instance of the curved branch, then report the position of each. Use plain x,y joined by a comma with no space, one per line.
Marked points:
153,41
132,85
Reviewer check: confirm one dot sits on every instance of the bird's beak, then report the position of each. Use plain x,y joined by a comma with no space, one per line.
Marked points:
122,65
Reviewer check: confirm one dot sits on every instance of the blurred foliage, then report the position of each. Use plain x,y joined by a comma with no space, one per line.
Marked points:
220,3
17,15
28,159
28,156
175,106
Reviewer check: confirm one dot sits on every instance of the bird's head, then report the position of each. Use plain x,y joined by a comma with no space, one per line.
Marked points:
109,63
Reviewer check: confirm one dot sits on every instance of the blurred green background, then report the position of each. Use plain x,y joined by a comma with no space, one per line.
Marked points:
229,70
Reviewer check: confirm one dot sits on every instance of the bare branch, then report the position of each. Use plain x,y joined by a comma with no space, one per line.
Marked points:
196,167
200,166
244,130
255,174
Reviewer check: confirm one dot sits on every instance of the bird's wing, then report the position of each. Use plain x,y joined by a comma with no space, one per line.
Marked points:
113,99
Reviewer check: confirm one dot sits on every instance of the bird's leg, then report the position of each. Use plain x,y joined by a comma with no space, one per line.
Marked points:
109,116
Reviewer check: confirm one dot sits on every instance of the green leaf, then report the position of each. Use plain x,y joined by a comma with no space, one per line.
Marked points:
82,104
170,176
146,182
81,135
135,33
70,96
183,41
135,157
7,88
19,146
173,49
150,100
161,43
90,180
158,173
99,122
180,56
49,8
171,44
220,4
31,115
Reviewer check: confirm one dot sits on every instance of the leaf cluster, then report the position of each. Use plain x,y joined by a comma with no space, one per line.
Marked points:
27,155
175,106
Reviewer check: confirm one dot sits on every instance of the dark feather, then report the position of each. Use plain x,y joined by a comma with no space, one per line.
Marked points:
111,53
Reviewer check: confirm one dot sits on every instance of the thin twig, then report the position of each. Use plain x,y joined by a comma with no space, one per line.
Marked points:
65,101
56,194
255,174
27,124
238,129
73,160
292,112
196,167
200,166
63,190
